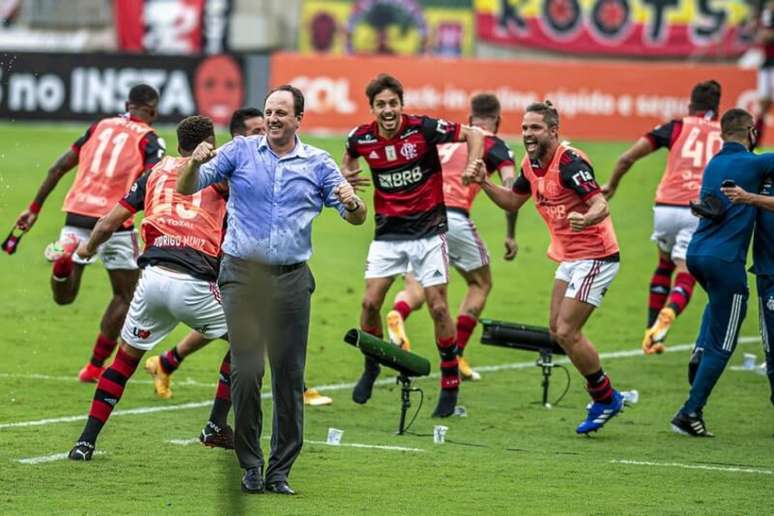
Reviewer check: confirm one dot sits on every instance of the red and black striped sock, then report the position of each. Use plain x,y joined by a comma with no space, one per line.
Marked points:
465,326
103,348
109,390
403,308
599,387
170,360
682,292
450,372
222,403
62,268
660,285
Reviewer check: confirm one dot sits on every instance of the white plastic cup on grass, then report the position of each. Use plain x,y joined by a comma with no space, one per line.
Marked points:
334,436
748,361
439,434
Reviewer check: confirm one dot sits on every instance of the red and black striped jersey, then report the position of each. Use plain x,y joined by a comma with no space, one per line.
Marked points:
406,172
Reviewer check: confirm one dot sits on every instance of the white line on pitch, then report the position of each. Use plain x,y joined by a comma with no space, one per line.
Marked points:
186,442
49,458
72,379
338,387
726,469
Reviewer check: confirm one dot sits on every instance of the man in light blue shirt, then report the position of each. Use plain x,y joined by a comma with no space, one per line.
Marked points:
277,186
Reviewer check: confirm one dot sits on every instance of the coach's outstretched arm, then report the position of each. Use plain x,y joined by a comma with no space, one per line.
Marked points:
188,180
597,212
636,152
102,231
61,166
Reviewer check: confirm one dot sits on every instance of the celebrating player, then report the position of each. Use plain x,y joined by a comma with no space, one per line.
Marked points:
411,221
583,241
691,141
467,251
110,156
180,267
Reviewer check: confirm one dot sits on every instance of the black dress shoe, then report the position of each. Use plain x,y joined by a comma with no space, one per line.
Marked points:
280,487
252,481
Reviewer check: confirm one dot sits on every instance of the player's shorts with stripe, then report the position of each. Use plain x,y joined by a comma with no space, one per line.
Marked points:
165,298
466,249
588,280
426,258
766,82
119,252
765,286
673,228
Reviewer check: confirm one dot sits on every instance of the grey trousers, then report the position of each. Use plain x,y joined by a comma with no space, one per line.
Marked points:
267,315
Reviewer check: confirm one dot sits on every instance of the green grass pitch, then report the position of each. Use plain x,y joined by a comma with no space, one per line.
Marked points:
508,456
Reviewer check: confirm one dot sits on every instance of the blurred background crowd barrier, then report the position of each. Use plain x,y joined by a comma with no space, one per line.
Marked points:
614,67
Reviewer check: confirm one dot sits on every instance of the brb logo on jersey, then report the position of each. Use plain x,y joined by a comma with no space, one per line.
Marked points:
393,181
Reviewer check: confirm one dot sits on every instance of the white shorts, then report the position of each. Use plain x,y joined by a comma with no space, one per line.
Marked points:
673,228
426,258
466,250
119,252
766,83
588,279
164,298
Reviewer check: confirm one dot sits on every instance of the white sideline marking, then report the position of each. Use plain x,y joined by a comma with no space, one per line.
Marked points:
49,458
72,379
729,469
342,386
186,442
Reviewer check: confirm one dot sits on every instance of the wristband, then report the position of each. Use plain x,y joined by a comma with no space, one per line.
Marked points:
357,207
34,207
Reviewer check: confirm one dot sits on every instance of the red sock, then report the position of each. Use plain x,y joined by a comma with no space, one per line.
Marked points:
63,267
660,284
103,348
170,360
110,388
599,387
222,403
450,373
403,308
465,326
682,292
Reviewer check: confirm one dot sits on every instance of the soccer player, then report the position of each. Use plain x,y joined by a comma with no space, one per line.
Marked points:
763,263
583,241
691,141
467,252
717,256
110,156
411,221
180,268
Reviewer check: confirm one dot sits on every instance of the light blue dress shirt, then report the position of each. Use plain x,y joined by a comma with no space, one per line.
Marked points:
272,200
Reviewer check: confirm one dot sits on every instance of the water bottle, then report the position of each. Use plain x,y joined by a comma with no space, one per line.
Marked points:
630,397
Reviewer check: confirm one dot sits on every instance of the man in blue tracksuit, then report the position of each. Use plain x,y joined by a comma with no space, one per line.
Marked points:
716,258
763,264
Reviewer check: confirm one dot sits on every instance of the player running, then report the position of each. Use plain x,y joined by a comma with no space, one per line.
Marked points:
180,268
583,241
110,156
692,141
467,252
411,221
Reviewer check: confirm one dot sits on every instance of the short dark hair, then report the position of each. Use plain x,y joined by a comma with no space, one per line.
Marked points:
193,130
705,96
383,82
547,109
735,123
298,97
237,123
485,105
143,94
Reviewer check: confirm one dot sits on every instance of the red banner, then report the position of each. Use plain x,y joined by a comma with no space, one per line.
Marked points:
596,100
172,26
659,28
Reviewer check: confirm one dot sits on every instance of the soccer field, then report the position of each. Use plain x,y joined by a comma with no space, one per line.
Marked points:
509,455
